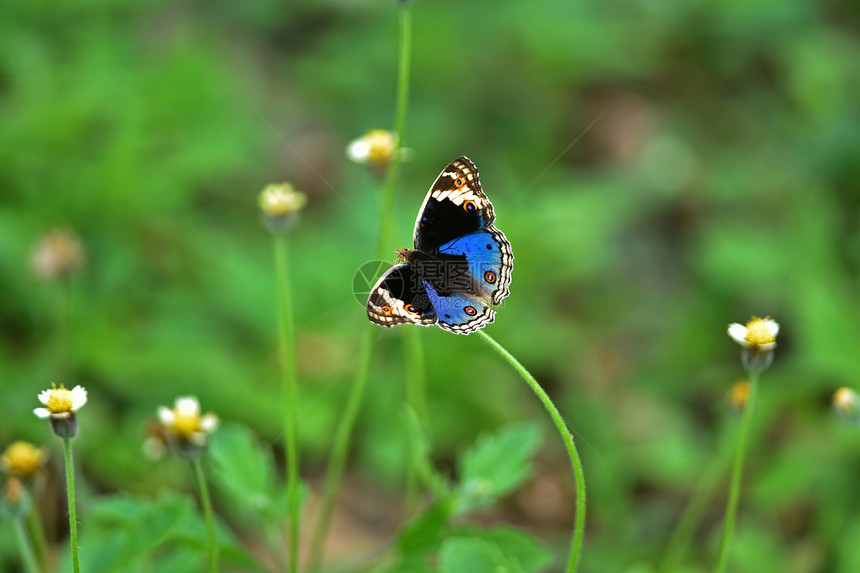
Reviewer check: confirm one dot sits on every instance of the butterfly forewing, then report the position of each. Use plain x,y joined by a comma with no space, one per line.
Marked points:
454,206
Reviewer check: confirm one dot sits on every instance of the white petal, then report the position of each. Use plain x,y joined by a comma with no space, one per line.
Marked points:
42,412
772,326
358,150
738,332
198,439
79,397
187,406
44,395
165,415
208,423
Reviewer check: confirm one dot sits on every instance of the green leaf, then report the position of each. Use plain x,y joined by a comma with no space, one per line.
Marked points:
497,464
472,555
245,470
519,547
425,533
121,529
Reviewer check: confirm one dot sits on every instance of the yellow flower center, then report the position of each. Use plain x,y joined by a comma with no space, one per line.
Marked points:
758,334
60,401
22,459
739,393
280,199
185,425
382,145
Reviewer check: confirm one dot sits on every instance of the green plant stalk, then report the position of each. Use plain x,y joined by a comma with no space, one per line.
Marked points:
24,546
37,534
402,106
209,517
73,515
567,438
287,352
737,471
340,448
679,541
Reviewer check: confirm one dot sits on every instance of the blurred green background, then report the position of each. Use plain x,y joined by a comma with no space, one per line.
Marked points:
661,169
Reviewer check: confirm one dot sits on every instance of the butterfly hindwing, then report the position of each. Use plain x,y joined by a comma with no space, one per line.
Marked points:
399,296
459,313
454,206
490,261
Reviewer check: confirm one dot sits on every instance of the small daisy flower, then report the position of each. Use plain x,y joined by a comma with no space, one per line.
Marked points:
739,393
22,460
279,202
758,338
375,149
186,428
845,403
759,333
57,254
61,405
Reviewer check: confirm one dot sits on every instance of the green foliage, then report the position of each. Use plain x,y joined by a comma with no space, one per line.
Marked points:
493,467
660,168
126,533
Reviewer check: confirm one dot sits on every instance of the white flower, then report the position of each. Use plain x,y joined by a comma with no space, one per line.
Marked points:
184,422
758,334
845,401
60,402
375,148
280,200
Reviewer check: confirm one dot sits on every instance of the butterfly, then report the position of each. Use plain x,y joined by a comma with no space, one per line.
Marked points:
460,264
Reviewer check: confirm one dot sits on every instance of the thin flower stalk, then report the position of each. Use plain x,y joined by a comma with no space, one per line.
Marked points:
208,515
287,352
73,515
679,541
340,448
343,433
567,438
28,556
737,472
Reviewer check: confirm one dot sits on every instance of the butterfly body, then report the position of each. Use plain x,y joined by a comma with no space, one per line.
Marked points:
460,264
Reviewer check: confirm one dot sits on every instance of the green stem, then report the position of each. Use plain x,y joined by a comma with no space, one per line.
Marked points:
206,502
73,516
387,204
287,352
340,448
567,438
37,534
343,434
679,542
24,546
737,471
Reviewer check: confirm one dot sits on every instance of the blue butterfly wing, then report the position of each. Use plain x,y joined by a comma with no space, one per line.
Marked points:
490,261
459,313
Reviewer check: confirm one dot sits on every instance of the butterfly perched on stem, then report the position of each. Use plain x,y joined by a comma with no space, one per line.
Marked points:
459,266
